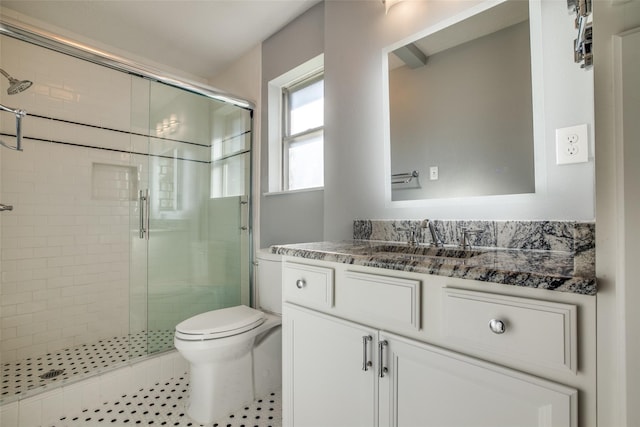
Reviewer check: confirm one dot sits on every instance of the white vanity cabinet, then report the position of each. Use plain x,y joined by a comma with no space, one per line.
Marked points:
428,386
421,366
324,383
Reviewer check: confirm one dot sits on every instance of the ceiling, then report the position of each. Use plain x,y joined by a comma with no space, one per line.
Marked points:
200,37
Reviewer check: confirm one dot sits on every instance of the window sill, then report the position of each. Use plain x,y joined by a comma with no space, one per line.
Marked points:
303,190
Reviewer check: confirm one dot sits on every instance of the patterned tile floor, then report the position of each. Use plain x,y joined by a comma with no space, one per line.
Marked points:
164,405
23,375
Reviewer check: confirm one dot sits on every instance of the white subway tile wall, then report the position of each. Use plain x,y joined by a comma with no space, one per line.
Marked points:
65,255
65,246
72,267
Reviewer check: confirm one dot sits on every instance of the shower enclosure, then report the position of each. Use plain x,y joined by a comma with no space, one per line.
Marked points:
130,213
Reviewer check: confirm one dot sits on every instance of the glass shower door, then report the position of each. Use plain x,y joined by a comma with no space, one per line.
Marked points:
193,236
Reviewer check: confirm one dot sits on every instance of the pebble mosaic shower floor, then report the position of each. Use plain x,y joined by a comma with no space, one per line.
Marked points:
164,405
23,375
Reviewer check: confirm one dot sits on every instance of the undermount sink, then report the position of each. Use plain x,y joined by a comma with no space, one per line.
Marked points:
425,251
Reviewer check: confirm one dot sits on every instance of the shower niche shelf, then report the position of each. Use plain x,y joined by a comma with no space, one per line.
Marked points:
114,182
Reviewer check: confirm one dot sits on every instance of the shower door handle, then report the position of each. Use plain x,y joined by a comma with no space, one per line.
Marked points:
141,210
144,214
147,212
244,213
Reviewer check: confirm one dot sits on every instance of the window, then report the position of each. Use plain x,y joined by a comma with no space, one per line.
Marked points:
303,133
230,151
295,128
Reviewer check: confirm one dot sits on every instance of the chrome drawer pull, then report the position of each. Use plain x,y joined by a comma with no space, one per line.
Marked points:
497,326
366,364
383,369
300,283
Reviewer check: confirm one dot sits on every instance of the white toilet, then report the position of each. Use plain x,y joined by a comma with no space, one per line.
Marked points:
234,353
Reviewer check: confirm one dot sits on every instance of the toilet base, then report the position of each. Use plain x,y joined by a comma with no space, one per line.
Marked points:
216,390
221,371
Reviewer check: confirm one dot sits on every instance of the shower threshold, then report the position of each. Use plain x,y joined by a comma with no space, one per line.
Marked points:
22,378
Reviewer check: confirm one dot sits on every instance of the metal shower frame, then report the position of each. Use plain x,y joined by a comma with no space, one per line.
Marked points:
27,33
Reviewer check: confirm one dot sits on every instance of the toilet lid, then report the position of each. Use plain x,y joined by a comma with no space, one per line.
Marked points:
220,323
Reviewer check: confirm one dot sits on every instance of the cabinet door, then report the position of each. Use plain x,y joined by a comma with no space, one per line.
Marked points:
428,386
324,383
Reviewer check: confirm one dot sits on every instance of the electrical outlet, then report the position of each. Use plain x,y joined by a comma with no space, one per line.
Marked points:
433,173
572,145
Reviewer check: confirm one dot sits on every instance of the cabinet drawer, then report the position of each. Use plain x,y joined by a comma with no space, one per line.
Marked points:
308,285
538,332
389,302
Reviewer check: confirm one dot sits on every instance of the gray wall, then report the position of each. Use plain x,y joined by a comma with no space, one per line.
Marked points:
298,216
357,32
355,165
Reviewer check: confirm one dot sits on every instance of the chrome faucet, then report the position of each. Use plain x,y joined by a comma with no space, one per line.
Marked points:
413,237
412,240
435,239
465,243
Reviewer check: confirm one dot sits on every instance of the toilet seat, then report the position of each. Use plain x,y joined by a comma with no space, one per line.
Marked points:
218,324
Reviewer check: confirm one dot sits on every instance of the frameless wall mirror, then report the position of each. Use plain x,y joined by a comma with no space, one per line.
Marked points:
460,108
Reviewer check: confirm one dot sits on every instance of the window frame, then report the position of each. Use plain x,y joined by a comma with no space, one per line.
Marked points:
287,139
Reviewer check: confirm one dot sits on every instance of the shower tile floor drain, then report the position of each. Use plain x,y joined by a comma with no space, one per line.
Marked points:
51,374
24,375
164,405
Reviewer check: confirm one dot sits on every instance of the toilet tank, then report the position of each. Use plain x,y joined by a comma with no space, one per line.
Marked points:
269,281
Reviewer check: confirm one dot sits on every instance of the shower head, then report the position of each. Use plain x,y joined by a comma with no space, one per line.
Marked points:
18,86
15,85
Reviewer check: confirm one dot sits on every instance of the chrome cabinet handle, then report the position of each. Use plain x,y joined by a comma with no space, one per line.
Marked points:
382,369
5,207
497,326
366,364
300,283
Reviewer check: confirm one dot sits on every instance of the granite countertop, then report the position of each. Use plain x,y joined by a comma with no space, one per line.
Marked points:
552,270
